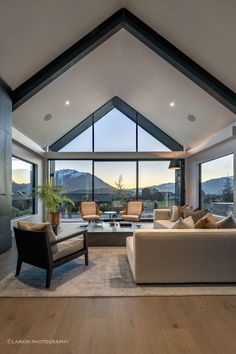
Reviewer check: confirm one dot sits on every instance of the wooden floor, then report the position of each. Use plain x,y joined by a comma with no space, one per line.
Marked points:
155,325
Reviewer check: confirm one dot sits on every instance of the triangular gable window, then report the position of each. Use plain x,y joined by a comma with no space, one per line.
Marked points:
114,131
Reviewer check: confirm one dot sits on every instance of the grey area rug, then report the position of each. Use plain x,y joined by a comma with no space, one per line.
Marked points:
108,274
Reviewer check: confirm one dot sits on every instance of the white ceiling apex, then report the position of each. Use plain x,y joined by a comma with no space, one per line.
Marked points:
201,29
124,67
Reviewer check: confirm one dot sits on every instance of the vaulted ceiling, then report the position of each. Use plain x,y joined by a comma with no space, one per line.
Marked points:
34,33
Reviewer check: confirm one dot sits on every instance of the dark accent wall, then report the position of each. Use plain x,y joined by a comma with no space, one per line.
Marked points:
5,166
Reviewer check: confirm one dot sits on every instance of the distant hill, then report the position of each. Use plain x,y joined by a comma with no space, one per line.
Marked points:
212,186
74,180
216,185
165,187
21,188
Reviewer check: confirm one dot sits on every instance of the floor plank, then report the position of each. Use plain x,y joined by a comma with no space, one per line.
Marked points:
164,325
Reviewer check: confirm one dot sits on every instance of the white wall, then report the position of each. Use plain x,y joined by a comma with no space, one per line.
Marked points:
22,152
192,169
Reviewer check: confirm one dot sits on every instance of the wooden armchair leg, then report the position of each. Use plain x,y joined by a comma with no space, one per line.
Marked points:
86,258
18,266
48,277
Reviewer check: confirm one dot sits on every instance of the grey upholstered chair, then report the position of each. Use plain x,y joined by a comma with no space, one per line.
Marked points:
44,250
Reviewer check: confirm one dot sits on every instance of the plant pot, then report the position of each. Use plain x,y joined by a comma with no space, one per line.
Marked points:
55,218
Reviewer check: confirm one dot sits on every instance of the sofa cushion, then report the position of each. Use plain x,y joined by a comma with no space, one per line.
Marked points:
174,213
163,224
30,226
177,212
91,217
67,247
196,215
183,223
227,223
130,217
206,222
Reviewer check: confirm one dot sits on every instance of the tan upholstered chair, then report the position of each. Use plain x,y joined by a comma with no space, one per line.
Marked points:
89,211
133,211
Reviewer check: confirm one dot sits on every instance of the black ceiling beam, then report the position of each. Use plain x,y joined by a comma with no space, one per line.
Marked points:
180,61
68,58
125,19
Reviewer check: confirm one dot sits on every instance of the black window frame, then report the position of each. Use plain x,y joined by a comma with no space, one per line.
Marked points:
200,175
34,184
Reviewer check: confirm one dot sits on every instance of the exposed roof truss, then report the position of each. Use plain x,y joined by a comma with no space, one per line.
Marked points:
125,19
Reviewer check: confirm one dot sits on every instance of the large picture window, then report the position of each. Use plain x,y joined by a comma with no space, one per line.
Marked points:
22,188
216,185
113,183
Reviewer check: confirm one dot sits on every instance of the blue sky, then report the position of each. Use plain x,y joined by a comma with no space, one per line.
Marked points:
115,132
217,168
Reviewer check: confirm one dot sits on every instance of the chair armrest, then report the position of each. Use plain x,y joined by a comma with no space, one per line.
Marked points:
61,239
161,214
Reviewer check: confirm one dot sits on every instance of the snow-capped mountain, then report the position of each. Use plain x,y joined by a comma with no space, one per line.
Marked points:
74,180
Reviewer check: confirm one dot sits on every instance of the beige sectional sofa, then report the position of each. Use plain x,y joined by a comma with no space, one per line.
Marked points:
182,256
161,218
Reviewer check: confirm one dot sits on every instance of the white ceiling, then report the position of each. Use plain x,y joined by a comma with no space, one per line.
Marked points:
32,33
124,67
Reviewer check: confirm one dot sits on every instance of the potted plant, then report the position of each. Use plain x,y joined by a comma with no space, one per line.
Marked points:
52,197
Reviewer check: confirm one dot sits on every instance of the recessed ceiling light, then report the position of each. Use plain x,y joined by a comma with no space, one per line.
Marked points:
67,103
48,117
191,118
172,104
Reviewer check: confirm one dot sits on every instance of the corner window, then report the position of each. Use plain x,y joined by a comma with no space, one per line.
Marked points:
217,185
23,183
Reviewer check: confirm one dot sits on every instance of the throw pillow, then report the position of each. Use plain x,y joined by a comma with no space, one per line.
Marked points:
174,214
206,222
30,226
52,238
181,210
227,223
23,225
183,223
196,215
